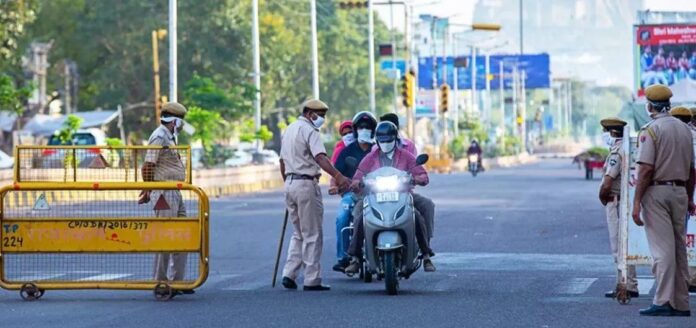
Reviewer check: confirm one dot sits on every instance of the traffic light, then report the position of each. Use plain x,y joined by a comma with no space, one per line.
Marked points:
407,86
444,95
352,4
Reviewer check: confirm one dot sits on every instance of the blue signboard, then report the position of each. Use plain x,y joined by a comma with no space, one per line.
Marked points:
536,68
400,65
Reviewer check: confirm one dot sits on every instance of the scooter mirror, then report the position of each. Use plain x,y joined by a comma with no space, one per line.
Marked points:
422,159
351,162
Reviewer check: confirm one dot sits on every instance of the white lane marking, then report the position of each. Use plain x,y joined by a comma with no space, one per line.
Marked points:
37,277
525,262
576,286
645,286
106,276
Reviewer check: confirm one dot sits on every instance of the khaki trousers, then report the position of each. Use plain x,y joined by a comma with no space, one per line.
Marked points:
664,209
306,212
176,209
612,211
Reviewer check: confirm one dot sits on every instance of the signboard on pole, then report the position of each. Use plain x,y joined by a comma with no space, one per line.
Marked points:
663,54
536,68
425,104
386,66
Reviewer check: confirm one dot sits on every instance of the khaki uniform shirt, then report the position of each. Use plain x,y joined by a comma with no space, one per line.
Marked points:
666,143
301,142
168,164
612,166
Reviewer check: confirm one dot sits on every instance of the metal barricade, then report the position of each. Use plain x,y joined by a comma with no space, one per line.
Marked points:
89,163
97,236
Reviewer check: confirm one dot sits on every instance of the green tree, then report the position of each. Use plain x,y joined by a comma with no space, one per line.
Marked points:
14,15
232,104
207,124
71,124
12,99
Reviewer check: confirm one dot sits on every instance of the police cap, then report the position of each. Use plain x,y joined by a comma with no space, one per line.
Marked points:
693,111
314,104
174,109
613,123
681,111
658,93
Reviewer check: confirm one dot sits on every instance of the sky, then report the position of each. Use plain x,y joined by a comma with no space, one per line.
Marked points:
461,11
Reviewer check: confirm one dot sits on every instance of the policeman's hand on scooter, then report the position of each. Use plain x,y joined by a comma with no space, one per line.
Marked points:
342,183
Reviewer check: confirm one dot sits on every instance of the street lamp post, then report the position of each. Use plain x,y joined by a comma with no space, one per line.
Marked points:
156,36
257,67
315,49
371,50
172,51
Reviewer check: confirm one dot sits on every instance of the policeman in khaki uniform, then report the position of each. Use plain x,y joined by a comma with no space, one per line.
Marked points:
302,156
687,116
609,194
664,194
165,165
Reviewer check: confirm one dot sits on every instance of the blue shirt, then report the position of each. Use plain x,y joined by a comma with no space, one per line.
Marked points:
352,150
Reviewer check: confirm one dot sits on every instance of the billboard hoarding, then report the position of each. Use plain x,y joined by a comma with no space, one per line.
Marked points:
664,54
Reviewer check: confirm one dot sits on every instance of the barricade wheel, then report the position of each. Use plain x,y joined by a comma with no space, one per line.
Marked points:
163,292
622,294
30,292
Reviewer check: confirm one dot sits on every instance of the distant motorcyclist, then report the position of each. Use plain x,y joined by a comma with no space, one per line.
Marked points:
363,127
475,149
388,154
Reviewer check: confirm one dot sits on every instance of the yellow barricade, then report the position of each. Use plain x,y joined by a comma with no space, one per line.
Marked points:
90,163
96,236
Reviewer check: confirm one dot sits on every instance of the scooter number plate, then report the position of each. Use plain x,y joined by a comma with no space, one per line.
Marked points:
384,197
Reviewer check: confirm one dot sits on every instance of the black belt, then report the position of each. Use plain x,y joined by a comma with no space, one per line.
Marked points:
677,183
293,176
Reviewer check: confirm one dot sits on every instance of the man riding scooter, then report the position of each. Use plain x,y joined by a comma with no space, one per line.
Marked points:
388,154
364,124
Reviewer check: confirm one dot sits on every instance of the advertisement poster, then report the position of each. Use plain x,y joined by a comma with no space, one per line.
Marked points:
664,54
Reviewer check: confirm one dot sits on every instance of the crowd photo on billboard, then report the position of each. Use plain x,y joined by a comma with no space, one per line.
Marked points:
665,54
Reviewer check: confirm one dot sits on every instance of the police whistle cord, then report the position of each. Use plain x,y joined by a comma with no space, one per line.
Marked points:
280,248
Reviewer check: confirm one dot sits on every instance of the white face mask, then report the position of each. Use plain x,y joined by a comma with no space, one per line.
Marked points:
647,111
365,135
608,139
188,128
387,147
318,122
348,139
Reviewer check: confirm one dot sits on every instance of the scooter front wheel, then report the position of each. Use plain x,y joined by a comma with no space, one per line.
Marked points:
391,281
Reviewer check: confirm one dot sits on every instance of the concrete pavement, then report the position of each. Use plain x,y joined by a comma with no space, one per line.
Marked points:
519,247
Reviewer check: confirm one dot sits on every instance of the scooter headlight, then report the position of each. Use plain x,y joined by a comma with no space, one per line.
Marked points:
390,183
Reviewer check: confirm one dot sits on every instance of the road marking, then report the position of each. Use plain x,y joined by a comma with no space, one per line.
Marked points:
645,286
525,262
37,277
576,286
105,277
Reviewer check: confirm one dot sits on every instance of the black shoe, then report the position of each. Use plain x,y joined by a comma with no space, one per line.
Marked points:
341,265
186,291
692,289
353,268
289,283
677,313
658,311
612,294
317,288
428,266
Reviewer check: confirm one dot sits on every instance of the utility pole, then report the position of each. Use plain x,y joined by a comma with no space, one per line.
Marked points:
393,46
315,48
523,99
257,68
156,35
474,102
521,28
172,51
371,46
67,91
502,104
407,44
487,104
455,51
